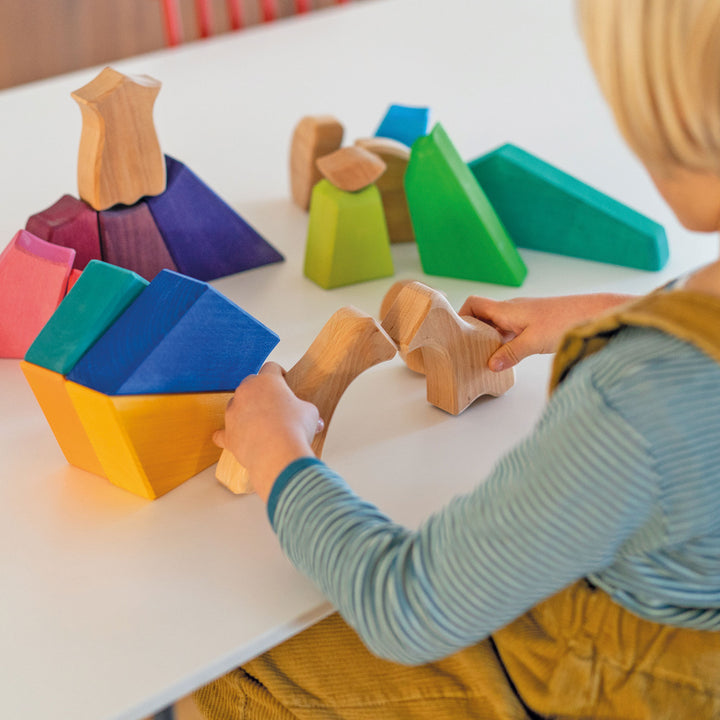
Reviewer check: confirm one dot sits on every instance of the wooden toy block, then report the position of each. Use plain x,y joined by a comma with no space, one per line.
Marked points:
455,349
351,168
50,390
561,214
313,137
131,239
71,223
348,344
33,281
178,336
347,237
99,297
73,278
391,185
404,124
120,159
150,444
457,231
402,320
206,238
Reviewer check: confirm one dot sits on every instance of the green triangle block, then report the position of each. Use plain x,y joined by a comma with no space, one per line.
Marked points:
96,300
546,209
347,238
458,233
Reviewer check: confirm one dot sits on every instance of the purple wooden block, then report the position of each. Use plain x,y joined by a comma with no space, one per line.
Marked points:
130,238
205,236
70,223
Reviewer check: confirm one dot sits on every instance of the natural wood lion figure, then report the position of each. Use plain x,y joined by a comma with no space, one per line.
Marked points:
451,351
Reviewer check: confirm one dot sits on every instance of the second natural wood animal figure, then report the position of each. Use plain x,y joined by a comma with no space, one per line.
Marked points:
349,343
451,350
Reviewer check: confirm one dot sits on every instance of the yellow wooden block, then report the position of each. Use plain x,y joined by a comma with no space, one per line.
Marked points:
150,444
51,393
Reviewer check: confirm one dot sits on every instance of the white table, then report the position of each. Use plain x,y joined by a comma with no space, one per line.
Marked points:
112,606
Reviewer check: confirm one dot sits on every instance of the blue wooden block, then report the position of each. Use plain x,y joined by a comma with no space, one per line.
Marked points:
179,335
544,208
98,298
404,124
205,236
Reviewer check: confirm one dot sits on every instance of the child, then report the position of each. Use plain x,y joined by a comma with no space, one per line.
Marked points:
582,578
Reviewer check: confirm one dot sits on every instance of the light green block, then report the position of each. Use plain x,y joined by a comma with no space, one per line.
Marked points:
347,239
458,233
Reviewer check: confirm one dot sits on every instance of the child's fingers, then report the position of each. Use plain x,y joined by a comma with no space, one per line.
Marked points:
219,438
510,354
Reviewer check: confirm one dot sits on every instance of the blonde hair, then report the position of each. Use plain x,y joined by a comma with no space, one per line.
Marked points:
658,65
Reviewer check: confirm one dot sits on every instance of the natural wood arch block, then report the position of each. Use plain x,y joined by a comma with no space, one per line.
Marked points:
457,231
404,124
120,159
33,280
131,239
150,444
50,390
351,168
347,238
348,344
391,185
71,223
313,137
561,214
455,349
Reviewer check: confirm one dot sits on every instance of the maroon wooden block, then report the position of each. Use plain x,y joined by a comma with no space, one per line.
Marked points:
33,280
70,223
130,238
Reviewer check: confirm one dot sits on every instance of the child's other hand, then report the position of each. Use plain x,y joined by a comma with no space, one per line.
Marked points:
267,427
529,326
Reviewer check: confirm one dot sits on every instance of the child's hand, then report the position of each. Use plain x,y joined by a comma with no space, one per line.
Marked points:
535,325
267,427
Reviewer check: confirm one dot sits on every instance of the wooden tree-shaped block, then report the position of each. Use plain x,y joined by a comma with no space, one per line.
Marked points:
561,214
391,185
33,280
404,124
131,239
455,349
120,159
313,137
150,444
457,231
71,223
206,238
349,343
347,238
178,336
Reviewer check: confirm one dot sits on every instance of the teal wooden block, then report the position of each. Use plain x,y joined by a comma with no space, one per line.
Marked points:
544,208
347,238
457,231
97,299
404,124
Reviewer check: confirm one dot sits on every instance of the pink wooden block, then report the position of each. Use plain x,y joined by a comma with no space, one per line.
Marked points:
71,223
130,238
33,280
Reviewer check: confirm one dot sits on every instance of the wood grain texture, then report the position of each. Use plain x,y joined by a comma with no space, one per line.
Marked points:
206,238
131,239
119,160
71,223
455,349
351,168
150,444
313,137
348,344
33,280
178,336
391,185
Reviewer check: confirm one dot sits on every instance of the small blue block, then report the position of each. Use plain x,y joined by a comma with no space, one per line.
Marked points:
179,335
404,124
205,236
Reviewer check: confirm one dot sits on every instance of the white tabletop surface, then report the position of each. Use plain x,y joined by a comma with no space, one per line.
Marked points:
111,606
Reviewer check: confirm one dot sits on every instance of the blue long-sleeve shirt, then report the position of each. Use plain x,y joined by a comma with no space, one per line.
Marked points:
619,482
